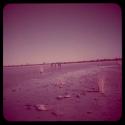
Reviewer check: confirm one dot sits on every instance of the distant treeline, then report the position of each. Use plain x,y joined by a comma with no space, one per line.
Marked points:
97,60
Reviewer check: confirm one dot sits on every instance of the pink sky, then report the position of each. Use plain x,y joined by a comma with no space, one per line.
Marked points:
37,33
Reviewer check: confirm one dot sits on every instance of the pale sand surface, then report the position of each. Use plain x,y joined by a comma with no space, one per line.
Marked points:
24,85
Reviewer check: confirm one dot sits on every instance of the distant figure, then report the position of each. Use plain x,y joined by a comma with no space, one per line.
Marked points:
101,83
59,65
51,65
55,65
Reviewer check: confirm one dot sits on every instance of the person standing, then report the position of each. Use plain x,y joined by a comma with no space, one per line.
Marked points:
59,65
51,65
101,84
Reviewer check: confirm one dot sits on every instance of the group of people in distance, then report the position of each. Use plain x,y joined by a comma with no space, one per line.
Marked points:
53,65
58,65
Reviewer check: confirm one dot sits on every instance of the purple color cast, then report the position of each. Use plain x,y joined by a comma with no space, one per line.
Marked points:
37,33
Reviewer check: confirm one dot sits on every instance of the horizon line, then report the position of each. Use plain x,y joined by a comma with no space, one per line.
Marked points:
104,59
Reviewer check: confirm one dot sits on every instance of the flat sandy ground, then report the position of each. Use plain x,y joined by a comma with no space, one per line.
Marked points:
67,94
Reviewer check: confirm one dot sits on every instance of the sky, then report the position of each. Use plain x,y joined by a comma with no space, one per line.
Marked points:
37,33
